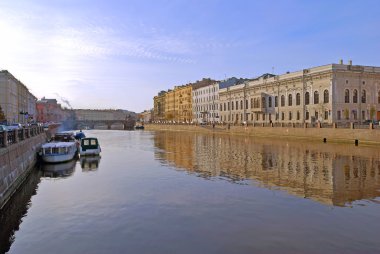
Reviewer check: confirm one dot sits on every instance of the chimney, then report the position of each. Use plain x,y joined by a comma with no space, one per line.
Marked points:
350,62
341,61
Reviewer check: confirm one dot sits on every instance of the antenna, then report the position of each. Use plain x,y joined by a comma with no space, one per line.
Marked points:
272,69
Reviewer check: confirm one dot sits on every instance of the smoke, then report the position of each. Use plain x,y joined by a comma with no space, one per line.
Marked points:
64,100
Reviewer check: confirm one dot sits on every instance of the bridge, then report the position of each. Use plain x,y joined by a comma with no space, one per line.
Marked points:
128,123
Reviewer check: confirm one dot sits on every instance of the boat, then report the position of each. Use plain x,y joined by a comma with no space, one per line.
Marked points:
89,146
139,127
56,152
64,136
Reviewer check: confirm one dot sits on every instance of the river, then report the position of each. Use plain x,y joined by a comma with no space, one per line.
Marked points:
178,192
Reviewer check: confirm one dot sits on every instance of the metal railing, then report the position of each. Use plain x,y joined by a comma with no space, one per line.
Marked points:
14,136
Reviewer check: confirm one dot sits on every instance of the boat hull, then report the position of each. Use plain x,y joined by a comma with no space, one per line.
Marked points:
89,152
57,158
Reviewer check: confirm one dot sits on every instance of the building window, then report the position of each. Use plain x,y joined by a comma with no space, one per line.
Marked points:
326,96
276,100
282,100
346,81
316,97
316,115
298,99
228,108
339,115
232,105
364,96
246,104
326,115
355,96
355,114
276,116
282,116
263,102
298,115
251,102
290,100
307,98
257,116
290,116
270,101
346,96
237,105
263,117
363,115
307,115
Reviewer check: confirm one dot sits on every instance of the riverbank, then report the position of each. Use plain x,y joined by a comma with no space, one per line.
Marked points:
16,161
331,135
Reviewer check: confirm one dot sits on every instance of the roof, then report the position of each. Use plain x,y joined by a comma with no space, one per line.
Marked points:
58,144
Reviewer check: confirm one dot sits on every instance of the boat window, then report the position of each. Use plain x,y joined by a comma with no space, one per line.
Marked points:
93,142
55,150
86,142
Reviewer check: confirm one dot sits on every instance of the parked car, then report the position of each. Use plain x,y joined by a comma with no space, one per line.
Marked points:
3,128
14,126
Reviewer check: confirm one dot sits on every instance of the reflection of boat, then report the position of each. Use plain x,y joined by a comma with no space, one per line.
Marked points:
59,170
89,163
56,152
89,146
139,127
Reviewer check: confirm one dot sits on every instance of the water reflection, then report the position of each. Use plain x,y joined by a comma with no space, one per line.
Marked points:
330,174
16,209
59,170
89,163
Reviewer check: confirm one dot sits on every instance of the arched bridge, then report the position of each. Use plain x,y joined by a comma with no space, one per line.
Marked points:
128,124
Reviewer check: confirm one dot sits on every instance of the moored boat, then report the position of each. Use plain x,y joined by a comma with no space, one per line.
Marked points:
89,146
56,152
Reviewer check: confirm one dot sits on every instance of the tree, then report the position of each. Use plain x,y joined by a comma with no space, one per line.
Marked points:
2,115
346,113
372,111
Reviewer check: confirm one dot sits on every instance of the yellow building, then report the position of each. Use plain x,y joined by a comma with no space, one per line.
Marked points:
171,106
159,106
184,95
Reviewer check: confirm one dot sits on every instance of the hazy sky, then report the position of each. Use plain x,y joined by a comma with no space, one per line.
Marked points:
119,54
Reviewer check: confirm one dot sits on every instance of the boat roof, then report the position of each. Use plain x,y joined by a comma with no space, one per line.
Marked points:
58,144
90,138
65,133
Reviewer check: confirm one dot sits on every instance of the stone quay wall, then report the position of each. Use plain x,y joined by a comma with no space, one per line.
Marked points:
17,157
333,134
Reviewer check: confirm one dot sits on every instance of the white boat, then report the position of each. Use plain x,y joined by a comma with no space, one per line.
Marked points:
56,152
89,146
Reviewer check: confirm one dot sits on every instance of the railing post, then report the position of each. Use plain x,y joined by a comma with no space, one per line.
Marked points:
371,126
352,126
15,133
5,138
23,134
28,133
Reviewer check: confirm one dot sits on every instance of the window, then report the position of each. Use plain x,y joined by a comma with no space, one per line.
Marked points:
364,96
316,97
307,98
326,115
228,107
276,100
282,116
355,114
316,115
251,102
282,100
263,117
237,105
326,96
307,115
263,102
298,115
276,116
378,97
246,104
298,99
355,96
232,105
363,115
346,96
339,115
290,115
290,100
270,101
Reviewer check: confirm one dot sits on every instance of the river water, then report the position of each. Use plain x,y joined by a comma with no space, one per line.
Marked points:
176,192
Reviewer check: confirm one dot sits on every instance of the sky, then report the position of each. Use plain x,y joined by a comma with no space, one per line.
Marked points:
118,54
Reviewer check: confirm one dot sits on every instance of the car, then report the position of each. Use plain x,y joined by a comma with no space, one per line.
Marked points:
3,128
14,126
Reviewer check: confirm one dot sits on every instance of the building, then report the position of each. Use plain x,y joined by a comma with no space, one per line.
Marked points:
49,110
17,103
206,100
159,106
330,93
146,116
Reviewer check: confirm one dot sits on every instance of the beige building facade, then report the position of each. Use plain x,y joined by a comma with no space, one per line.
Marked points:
330,93
17,103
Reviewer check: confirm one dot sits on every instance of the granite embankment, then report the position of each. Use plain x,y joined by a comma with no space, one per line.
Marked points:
336,135
18,155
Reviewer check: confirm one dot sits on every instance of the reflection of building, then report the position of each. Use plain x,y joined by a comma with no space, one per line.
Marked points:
314,171
17,103
329,93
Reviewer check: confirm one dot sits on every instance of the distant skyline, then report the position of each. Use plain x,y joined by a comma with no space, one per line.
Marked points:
119,54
